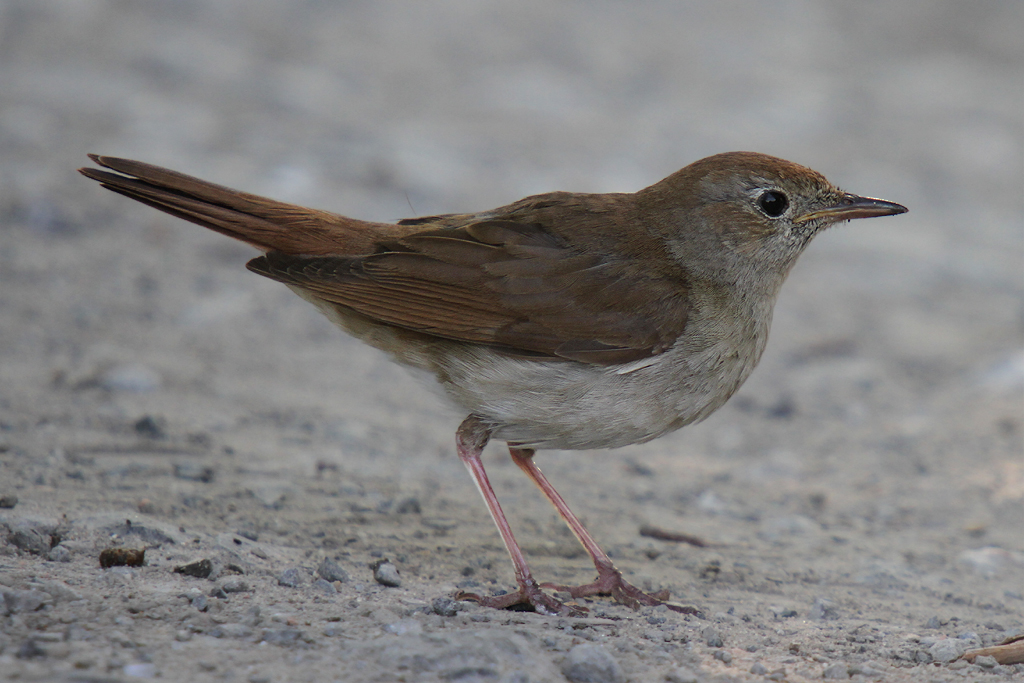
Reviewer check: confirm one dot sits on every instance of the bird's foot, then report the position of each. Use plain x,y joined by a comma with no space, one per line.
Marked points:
610,582
529,597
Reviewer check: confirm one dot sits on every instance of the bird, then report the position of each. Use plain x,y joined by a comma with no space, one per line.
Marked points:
560,321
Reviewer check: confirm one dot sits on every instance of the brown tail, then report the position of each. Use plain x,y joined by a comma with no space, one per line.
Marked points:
264,223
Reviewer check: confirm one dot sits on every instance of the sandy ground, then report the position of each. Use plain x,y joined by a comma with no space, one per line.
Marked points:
862,496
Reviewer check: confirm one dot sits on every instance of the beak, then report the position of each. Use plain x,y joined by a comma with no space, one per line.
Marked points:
853,206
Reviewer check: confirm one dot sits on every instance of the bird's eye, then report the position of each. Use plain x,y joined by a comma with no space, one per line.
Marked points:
773,203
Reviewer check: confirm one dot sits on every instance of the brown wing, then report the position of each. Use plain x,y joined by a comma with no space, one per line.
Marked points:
502,283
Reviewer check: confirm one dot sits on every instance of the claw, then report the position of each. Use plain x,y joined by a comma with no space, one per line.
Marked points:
527,598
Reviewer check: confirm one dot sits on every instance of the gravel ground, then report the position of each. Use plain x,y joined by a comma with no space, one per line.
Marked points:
861,498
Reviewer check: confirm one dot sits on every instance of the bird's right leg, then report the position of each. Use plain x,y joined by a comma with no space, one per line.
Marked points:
471,438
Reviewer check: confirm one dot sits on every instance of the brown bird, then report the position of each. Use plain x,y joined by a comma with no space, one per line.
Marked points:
562,320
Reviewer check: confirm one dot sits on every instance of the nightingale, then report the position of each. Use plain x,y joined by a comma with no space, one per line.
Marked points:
563,320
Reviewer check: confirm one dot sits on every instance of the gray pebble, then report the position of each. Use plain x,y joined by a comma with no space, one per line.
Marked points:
759,669
8,500
408,506
325,587
835,672
199,569
235,585
219,593
131,377
201,603
231,631
30,650
140,670
723,656
21,602
682,675
947,650
59,554
591,663
712,638
329,570
985,661
31,536
386,574
333,630
446,607
280,636
290,578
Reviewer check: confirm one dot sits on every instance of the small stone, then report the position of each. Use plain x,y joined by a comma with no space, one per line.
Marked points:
290,578
682,675
219,593
446,607
8,500
200,569
723,656
235,585
329,570
142,670
131,377
183,636
985,661
947,650
149,427
31,536
201,603
280,636
835,672
712,638
22,602
231,631
325,587
591,663
386,574
933,623
759,669
59,553
333,630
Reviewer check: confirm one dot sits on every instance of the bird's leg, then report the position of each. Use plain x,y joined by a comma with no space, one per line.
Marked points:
609,579
471,438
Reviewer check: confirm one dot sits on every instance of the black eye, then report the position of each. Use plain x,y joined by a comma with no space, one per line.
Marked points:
773,203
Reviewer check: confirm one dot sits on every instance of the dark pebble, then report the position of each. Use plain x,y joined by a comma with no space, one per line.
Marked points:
200,569
193,472
122,557
30,650
325,587
8,500
219,593
149,427
408,506
712,638
201,603
723,656
446,607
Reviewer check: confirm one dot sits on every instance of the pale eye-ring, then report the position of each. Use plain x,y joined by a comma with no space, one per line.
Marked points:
773,203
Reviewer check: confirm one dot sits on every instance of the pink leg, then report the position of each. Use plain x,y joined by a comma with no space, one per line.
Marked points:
471,438
609,579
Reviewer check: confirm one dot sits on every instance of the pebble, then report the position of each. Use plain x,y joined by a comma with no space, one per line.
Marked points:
131,377
591,663
280,636
985,661
325,587
21,602
723,656
199,569
386,574
290,578
59,553
947,650
329,570
759,669
8,500
682,675
404,627
446,607
235,585
32,536
201,603
231,631
835,672
143,670
712,638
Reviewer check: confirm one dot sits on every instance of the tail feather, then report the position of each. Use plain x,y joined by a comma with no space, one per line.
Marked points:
265,223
